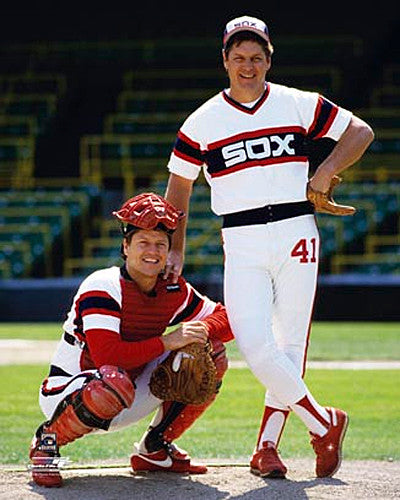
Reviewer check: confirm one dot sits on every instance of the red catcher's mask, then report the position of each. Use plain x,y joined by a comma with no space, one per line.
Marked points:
149,211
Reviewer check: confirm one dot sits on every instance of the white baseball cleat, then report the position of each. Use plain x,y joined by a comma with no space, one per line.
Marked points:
171,460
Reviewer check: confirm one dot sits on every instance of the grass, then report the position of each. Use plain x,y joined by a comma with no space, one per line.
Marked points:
229,427
328,341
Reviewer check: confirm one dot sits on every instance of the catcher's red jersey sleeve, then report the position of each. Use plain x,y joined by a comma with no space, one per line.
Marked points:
218,324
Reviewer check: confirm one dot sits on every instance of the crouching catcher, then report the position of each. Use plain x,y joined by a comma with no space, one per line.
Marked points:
114,344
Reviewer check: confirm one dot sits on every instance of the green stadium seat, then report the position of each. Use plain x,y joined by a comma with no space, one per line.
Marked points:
33,83
86,265
380,117
40,106
39,238
385,96
375,263
176,78
391,74
17,126
149,123
17,156
167,101
327,80
18,257
102,247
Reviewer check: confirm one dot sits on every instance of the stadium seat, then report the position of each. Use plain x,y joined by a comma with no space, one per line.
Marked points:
152,101
17,156
391,74
385,96
33,83
380,117
175,78
39,238
374,263
40,106
17,126
124,157
16,259
149,123
86,265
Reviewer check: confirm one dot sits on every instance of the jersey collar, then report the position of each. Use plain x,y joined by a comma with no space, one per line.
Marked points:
243,108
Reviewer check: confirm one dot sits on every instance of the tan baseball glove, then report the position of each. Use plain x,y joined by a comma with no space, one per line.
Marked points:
324,202
187,375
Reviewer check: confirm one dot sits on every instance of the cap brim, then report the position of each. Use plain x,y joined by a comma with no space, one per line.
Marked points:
258,32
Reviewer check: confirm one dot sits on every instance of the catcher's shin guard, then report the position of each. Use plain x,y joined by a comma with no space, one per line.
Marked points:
91,407
173,418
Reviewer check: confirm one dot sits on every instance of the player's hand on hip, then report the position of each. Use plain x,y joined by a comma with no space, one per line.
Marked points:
187,333
320,183
174,265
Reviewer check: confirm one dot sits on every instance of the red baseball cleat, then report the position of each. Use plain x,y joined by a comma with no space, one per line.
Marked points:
328,448
173,460
267,463
45,458
44,467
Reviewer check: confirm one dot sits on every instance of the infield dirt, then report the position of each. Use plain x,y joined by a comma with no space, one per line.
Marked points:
355,480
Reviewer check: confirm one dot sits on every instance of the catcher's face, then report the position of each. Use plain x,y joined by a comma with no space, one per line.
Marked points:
146,254
247,65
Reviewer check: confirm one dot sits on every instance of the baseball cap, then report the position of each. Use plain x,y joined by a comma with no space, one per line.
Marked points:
246,23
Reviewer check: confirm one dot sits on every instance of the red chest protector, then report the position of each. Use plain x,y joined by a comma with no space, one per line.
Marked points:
145,316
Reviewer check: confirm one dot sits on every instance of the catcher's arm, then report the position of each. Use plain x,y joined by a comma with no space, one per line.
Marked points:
188,333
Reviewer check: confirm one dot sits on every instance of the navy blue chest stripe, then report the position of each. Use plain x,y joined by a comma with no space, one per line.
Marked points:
215,161
98,303
188,311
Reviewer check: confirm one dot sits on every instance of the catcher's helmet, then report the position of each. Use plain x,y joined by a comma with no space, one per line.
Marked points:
148,211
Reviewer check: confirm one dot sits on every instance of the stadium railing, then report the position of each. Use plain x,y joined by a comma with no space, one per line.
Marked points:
125,157
17,155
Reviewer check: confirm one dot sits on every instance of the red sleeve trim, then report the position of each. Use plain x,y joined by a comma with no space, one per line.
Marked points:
218,324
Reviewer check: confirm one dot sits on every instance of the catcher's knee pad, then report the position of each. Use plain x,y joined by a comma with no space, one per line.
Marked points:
93,406
107,395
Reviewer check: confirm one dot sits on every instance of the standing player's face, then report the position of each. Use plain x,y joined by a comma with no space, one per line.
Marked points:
247,65
146,254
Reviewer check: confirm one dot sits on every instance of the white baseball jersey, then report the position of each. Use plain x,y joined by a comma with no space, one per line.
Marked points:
255,156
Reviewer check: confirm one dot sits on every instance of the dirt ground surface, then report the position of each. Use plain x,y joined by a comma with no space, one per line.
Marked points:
355,480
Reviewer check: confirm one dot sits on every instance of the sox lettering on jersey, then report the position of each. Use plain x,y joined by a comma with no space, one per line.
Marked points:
260,148
257,148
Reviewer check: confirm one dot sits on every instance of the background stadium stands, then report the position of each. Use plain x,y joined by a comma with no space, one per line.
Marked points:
86,122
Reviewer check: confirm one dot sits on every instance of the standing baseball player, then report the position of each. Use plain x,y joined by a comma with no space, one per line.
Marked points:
113,340
250,140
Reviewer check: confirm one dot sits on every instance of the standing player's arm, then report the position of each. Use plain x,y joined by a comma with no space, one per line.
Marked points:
179,190
350,147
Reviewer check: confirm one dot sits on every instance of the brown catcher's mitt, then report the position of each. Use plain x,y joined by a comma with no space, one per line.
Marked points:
187,375
324,202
